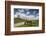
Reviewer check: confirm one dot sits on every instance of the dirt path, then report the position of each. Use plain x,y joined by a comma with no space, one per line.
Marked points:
18,24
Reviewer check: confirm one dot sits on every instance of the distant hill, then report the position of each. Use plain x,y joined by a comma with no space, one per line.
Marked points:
17,20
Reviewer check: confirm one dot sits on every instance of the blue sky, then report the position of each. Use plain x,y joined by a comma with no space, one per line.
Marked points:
25,13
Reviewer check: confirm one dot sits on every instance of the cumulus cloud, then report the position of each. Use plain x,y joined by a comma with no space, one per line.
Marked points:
24,16
21,10
28,13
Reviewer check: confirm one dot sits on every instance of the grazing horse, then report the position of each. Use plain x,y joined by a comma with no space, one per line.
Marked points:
28,22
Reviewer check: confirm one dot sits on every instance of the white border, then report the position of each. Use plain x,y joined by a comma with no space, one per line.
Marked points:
26,28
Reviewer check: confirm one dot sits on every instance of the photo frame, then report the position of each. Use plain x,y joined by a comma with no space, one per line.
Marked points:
14,10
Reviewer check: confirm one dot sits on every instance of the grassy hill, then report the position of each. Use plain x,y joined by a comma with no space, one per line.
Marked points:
35,23
17,20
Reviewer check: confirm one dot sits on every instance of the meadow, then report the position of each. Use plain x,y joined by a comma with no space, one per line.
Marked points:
35,23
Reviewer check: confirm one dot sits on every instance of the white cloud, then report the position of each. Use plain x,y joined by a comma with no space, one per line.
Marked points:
21,10
24,16
28,13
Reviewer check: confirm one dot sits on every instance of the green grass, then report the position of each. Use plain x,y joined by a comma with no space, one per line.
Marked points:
26,25
34,24
29,25
17,20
